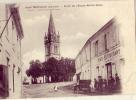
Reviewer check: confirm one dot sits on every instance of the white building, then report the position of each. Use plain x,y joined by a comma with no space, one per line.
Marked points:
40,80
102,54
11,34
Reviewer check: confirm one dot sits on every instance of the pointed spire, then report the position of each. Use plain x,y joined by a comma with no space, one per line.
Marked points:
51,27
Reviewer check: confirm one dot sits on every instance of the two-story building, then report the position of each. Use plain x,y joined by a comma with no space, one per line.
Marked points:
102,54
11,34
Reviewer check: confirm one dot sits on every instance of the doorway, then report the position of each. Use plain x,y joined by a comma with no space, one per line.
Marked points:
109,70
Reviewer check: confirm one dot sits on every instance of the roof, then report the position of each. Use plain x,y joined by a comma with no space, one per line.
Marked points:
97,33
51,27
16,17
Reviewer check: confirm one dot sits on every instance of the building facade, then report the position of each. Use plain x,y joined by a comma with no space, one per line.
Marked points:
11,34
52,41
102,54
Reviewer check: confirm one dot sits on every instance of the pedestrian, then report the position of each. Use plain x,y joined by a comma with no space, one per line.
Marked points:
55,88
95,84
117,79
100,83
112,83
105,82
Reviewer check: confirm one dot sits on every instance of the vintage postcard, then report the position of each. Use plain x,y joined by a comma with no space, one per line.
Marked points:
67,48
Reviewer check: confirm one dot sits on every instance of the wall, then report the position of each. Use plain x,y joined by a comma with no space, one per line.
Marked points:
91,65
11,49
112,54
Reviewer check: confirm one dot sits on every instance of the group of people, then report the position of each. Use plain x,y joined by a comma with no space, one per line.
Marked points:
113,83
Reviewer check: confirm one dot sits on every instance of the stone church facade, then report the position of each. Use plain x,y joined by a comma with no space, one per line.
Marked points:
52,41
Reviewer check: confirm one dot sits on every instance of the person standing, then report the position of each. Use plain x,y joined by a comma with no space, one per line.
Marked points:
112,83
100,84
117,79
95,84
55,88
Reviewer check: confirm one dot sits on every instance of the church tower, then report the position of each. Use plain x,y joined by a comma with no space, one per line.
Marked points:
52,41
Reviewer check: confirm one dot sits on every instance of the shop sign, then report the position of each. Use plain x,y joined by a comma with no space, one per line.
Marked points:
109,55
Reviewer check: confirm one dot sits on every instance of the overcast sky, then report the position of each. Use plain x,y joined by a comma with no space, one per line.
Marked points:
75,26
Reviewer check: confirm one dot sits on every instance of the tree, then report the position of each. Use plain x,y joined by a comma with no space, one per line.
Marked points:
51,69
28,72
67,68
59,70
35,70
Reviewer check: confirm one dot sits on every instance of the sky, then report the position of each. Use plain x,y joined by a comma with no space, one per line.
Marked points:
74,24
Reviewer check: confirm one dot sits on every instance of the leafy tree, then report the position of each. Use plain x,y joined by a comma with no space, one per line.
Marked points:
69,66
51,69
35,70
62,70
58,70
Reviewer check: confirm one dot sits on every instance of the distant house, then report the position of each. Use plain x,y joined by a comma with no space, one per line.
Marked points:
11,34
42,79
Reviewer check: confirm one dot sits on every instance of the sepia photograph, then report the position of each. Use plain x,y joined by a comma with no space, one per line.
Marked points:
66,49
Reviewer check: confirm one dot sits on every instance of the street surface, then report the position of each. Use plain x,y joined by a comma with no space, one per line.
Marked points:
65,89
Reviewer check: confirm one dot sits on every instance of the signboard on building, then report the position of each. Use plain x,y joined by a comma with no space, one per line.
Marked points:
109,55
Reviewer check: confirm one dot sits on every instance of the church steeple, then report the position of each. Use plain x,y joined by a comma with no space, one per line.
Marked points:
52,44
51,27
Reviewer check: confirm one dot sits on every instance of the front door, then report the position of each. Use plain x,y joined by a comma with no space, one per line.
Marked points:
109,70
